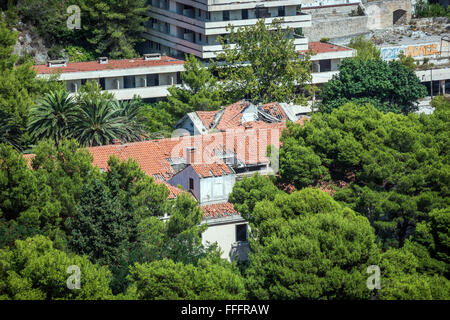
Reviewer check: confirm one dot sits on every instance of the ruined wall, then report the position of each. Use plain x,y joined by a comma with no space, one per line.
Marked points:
340,21
385,13
334,22
341,27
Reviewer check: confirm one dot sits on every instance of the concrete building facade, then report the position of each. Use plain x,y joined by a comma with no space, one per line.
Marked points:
177,27
148,77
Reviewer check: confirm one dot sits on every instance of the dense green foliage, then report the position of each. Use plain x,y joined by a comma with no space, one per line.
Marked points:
396,166
113,27
425,9
19,89
166,279
248,191
307,246
92,118
365,49
110,218
389,86
199,91
389,173
263,65
108,27
35,270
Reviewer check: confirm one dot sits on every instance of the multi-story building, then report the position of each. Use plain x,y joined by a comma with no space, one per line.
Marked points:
177,27
148,77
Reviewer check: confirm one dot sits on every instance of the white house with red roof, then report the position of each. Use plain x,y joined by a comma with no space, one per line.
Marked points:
209,183
207,167
325,59
148,77
201,167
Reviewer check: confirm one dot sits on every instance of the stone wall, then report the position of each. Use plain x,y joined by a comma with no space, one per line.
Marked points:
384,13
336,28
335,22
339,21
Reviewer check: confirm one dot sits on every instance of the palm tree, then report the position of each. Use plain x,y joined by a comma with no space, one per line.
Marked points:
135,124
52,116
98,122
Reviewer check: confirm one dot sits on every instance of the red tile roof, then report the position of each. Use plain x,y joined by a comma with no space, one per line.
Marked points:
231,118
217,169
275,110
207,117
174,191
323,47
152,156
219,210
111,65
155,156
232,115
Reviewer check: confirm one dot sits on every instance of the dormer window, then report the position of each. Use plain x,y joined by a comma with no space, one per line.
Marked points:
103,60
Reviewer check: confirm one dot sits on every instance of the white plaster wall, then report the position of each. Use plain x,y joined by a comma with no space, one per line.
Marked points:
223,234
216,189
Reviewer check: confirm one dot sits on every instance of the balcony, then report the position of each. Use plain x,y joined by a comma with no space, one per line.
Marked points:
189,21
143,92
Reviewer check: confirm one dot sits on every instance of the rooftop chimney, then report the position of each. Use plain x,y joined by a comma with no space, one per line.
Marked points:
56,63
103,60
116,141
190,151
152,56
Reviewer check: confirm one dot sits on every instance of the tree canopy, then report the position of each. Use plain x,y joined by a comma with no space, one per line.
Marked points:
34,270
307,246
395,166
389,86
260,63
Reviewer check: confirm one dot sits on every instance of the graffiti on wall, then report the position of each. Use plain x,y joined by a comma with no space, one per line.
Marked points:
423,50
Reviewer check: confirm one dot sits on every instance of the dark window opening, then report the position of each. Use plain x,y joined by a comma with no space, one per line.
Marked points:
129,82
244,13
281,12
191,184
325,65
102,83
241,232
262,13
226,15
152,80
